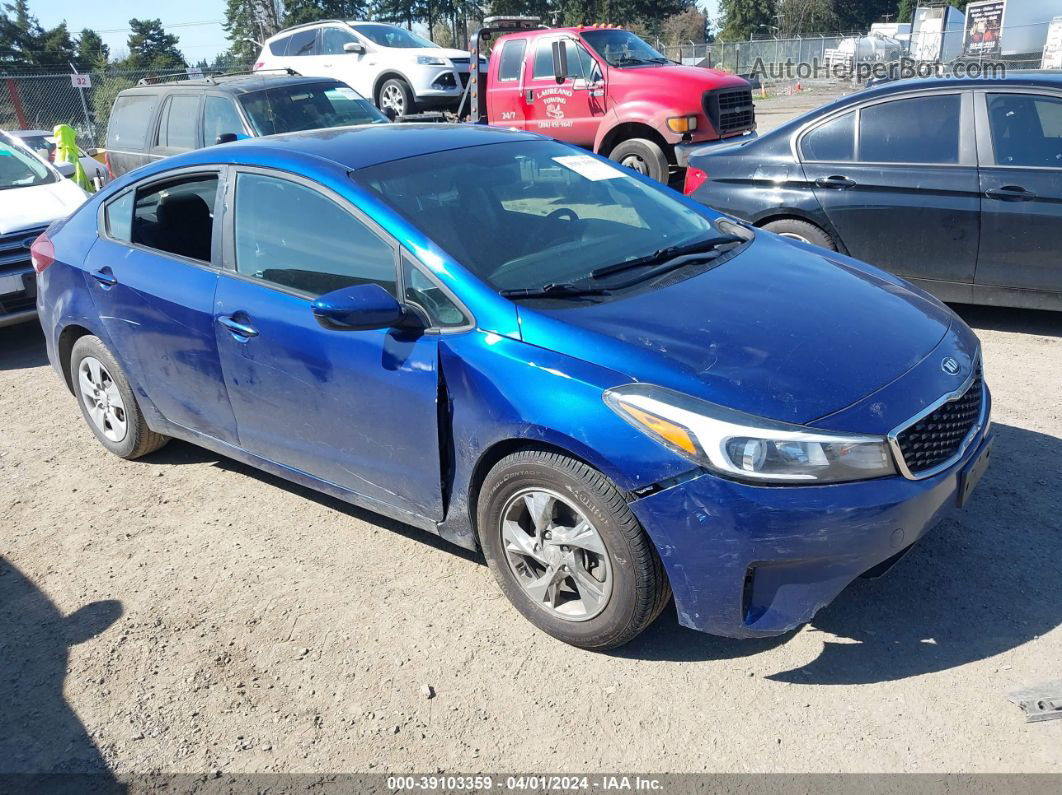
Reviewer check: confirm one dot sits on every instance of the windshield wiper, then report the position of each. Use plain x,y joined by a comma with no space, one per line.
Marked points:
696,247
554,290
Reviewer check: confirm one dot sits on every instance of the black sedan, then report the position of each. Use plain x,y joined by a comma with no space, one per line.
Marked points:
954,184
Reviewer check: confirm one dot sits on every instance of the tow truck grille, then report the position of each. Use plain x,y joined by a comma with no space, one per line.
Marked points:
940,435
730,110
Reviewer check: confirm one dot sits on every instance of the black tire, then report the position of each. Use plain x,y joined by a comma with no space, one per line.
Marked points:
138,439
402,93
640,589
644,156
801,230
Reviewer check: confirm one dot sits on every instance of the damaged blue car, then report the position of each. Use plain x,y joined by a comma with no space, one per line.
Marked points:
619,396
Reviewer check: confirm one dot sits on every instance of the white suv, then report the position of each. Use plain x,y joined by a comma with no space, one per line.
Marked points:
397,68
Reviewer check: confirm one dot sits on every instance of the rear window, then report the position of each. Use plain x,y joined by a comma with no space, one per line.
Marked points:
302,43
127,128
308,107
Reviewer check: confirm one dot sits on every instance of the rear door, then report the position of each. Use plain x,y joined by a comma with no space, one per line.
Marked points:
1020,141
178,128
505,102
568,111
897,179
152,279
354,408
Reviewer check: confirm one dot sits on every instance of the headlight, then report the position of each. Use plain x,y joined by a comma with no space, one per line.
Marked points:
431,60
747,447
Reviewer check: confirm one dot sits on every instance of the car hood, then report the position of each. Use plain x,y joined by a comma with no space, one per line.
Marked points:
676,77
780,330
438,52
39,205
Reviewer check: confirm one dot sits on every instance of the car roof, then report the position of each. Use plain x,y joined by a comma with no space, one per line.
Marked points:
29,133
351,148
1031,78
231,84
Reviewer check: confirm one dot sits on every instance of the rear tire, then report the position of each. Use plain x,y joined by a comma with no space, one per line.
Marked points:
610,583
107,402
804,231
397,95
644,156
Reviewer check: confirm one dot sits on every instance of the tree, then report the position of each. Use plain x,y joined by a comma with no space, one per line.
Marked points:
690,25
151,47
91,51
905,13
247,22
298,11
743,18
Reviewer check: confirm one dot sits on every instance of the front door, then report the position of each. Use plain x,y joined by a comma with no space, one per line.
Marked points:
898,181
1021,183
568,111
354,408
151,279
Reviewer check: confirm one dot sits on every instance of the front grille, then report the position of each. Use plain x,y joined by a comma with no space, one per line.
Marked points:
730,110
940,435
464,78
17,302
14,250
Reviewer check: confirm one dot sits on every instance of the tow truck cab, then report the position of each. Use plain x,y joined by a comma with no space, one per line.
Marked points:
603,88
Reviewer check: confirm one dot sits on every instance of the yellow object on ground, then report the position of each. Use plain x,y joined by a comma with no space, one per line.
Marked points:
66,151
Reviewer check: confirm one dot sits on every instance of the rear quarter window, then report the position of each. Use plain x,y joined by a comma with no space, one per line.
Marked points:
127,127
280,46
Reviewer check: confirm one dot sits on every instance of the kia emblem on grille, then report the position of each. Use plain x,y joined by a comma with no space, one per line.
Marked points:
949,366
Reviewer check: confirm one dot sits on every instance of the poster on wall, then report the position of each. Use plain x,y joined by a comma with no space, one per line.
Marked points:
984,21
1053,45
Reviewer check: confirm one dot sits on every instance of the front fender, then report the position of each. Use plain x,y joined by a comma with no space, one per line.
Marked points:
502,391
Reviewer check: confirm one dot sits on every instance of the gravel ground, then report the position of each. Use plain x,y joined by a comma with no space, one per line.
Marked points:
184,613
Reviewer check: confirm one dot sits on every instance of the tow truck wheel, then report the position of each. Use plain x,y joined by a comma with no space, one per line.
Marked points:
643,156
398,96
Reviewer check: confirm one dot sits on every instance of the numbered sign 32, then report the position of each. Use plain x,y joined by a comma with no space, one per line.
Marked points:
81,81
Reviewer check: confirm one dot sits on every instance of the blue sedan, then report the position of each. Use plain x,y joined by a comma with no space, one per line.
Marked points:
614,393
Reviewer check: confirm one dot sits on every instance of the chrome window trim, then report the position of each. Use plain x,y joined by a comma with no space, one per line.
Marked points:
894,434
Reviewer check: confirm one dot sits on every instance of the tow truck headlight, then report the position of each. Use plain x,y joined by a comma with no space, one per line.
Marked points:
431,60
682,124
746,447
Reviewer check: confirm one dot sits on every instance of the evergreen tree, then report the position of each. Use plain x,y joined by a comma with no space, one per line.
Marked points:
91,51
151,47
743,18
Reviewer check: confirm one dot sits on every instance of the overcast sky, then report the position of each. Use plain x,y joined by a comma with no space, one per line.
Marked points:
197,23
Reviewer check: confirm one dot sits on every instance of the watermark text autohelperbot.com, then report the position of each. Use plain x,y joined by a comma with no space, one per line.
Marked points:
864,71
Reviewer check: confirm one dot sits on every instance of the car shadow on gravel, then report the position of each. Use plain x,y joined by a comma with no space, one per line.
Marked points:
1018,321
22,347
983,582
39,731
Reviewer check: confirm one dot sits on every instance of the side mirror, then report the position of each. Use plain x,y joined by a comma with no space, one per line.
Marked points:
560,61
390,113
354,46
66,169
360,308
226,138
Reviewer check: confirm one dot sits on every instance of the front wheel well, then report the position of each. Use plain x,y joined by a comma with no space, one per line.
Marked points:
383,78
495,453
633,129
67,337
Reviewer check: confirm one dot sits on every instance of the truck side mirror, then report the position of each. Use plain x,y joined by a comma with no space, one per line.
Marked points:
560,61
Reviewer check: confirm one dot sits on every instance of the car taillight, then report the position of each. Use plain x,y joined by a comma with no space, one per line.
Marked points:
258,66
107,162
42,253
695,177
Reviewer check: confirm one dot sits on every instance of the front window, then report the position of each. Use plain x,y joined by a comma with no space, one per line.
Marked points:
622,48
20,169
525,215
391,36
1026,130
308,107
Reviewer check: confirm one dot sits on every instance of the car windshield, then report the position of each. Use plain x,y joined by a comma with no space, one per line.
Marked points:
530,214
622,48
391,36
20,169
314,106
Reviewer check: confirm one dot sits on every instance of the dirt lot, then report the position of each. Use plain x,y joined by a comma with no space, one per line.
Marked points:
186,613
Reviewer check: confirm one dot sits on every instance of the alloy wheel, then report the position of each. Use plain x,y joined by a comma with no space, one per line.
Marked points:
102,399
393,98
556,555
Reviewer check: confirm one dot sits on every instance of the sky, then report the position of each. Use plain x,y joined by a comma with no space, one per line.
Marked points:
196,22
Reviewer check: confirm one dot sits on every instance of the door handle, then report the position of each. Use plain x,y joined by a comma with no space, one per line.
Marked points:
1010,193
105,277
237,328
836,183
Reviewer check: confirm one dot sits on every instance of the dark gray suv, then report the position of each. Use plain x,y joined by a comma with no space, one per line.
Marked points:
159,119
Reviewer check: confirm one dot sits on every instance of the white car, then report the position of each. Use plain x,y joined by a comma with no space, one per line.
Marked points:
398,69
32,195
42,143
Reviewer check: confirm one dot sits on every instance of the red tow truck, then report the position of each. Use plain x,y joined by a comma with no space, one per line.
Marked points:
605,89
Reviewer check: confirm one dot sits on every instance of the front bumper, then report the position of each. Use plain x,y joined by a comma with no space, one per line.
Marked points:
20,305
683,152
750,561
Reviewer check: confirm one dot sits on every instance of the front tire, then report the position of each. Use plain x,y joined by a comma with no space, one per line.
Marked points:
644,156
397,95
567,551
107,402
